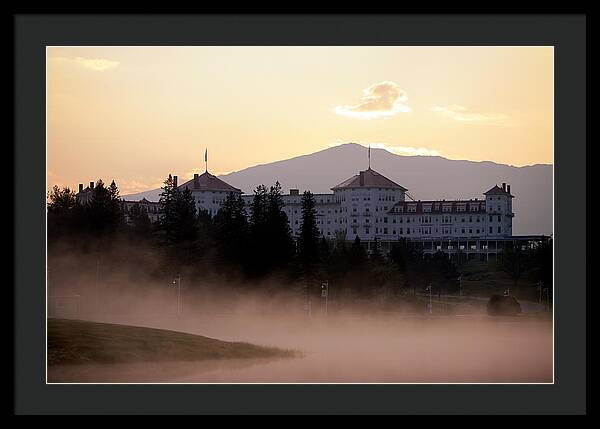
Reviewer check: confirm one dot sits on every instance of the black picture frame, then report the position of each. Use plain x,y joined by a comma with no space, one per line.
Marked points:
568,35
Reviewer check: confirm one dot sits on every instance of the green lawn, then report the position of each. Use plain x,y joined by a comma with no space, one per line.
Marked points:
80,342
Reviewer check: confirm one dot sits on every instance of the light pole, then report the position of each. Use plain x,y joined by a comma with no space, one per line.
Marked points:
429,288
459,285
325,293
547,298
178,282
539,287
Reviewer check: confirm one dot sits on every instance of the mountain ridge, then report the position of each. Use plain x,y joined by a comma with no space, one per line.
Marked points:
426,177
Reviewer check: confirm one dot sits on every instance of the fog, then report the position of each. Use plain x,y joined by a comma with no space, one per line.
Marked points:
355,342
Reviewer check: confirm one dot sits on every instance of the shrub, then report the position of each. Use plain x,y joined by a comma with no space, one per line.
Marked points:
499,305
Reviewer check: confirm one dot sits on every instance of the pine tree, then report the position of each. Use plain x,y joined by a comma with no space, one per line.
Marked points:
232,229
168,221
308,240
140,223
61,200
186,214
258,210
179,221
279,236
103,211
258,260
62,213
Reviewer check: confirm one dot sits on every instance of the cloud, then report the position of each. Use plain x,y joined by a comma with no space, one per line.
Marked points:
96,64
135,186
461,113
398,150
383,99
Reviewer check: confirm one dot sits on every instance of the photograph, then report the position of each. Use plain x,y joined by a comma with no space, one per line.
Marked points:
356,214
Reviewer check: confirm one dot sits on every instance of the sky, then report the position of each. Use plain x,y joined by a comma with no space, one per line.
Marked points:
136,114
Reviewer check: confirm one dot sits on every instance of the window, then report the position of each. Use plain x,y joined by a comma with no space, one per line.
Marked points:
366,230
499,218
490,230
499,230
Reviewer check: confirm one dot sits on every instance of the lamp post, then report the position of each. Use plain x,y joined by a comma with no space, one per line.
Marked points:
539,288
177,281
429,288
325,293
459,285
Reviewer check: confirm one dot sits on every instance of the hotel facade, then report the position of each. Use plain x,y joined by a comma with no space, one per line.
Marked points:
380,212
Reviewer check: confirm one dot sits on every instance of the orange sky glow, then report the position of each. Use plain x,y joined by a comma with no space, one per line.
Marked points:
136,114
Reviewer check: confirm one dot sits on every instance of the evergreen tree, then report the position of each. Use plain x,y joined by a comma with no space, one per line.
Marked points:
231,227
60,201
308,240
179,221
140,223
186,214
280,243
62,213
103,211
258,261
258,210
168,221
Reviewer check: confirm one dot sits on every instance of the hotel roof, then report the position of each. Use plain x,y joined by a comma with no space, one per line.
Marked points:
497,190
207,182
368,179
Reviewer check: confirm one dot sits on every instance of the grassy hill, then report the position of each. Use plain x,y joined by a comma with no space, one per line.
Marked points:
80,342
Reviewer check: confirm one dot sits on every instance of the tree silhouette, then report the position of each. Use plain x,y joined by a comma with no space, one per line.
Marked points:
279,237
513,262
103,211
308,239
231,227
179,221
140,224
60,201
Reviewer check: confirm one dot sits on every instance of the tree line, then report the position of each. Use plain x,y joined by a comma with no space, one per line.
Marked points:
253,243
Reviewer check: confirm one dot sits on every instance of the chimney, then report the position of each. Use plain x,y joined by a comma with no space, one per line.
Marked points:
81,187
174,181
508,189
295,192
195,180
504,186
361,178
91,185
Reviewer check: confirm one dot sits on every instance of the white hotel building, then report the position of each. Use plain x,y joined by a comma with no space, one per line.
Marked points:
376,209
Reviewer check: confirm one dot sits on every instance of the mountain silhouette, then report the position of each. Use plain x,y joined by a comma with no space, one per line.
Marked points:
425,177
